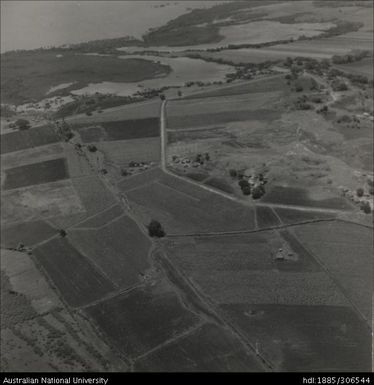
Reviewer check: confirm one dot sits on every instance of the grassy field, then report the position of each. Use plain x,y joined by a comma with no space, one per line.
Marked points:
289,216
149,109
27,233
119,248
66,267
121,130
35,173
306,338
102,218
345,249
266,217
178,210
362,67
208,349
41,201
121,152
220,118
297,196
273,84
21,140
146,317
93,193
32,155
28,76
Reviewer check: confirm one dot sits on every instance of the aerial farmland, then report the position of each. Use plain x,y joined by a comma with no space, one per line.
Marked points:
195,199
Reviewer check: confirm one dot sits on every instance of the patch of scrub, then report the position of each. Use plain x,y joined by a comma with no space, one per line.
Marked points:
183,70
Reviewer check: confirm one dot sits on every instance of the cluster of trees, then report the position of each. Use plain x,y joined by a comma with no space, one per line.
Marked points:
350,58
155,229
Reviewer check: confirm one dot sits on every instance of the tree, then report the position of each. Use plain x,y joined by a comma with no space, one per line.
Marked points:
155,229
258,192
360,192
365,207
233,173
92,148
162,97
62,233
22,124
179,93
246,190
243,183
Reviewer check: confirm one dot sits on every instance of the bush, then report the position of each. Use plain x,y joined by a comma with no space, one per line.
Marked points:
258,192
360,192
243,183
62,233
299,88
155,229
371,190
365,207
22,124
246,190
92,148
233,173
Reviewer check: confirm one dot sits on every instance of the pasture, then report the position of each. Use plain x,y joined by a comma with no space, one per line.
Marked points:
78,280
119,248
290,216
35,173
299,196
221,118
305,338
27,233
102,218
121,130
180,210
346,251
148,109
33,137
262,85
121,152
93,194
142,319
40,201
266,217
31,155
210,348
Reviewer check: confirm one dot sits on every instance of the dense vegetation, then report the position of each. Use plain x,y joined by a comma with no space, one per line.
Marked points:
31,74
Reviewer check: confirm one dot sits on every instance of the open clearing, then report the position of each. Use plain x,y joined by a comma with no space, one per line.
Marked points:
208,349
142,319
346,250
35,173
66,267
120,249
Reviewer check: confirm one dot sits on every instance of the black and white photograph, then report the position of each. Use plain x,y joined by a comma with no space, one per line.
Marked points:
186,187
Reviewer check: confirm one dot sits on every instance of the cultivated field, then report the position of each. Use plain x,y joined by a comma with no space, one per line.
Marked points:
207,349
142,319
345,250
190,210
302,338
66,266
119,248
21,140
35,173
